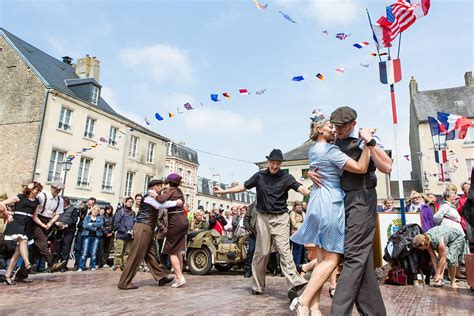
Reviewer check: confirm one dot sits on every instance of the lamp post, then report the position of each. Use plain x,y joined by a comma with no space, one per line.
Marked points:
66,167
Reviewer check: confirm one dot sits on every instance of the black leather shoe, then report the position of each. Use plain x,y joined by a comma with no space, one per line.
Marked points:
23,280
256,292
293,292
248,274
299,268
32,269
165,280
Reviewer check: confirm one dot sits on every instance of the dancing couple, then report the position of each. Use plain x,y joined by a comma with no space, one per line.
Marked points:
340,220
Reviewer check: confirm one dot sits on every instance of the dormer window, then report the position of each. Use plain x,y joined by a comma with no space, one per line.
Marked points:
95,95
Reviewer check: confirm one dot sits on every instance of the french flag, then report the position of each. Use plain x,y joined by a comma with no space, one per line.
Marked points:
436,127
244,91
361,44
456,126
390,71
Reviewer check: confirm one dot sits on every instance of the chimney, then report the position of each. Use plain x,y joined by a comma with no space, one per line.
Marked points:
67,60
88,67
468,79
170,144
413,87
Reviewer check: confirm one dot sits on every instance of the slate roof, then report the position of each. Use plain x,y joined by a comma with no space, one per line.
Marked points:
299,153
458,100
184,153
60,76
52,71
73,82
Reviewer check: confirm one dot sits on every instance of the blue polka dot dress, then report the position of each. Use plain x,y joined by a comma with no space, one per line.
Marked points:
325,220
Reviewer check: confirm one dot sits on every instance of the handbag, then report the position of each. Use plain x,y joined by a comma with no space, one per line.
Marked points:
397,276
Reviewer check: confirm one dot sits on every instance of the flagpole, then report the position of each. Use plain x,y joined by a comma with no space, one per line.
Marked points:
373,32
399,43
395,154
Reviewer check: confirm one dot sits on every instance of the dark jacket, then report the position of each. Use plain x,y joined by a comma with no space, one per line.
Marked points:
69,217
250,219
123,223
353,181
108,224
89,226
83,211
147,214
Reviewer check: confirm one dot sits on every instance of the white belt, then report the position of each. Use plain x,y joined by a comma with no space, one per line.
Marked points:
22,213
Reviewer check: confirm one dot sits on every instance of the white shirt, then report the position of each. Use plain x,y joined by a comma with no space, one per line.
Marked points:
355,134
51,205
447,215
151,201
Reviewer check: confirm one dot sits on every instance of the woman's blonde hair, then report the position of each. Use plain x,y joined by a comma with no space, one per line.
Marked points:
313,130
421,240
95,207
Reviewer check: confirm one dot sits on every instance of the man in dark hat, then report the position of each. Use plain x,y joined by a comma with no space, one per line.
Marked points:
272,222
144,245
357,282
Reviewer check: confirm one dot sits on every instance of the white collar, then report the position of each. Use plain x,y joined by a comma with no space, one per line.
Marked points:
355,132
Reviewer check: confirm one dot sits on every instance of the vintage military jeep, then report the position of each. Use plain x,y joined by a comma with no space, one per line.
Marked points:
210,248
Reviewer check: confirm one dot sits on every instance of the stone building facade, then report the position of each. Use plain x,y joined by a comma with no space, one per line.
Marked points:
457,100
184,161
206,198
51,110
22,100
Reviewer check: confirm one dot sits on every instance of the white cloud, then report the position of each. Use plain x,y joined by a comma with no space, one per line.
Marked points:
327,12
163,62
61,47
334,11
223,124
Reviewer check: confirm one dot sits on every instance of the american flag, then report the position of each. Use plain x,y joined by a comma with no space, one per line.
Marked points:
400,16
188,106
342,36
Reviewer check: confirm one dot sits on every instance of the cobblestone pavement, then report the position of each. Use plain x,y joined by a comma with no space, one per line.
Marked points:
88,293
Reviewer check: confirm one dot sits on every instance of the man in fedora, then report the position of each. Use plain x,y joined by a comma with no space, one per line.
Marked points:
272,224
357,283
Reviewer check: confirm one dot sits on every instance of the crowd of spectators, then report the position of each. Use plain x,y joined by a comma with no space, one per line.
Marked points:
87,233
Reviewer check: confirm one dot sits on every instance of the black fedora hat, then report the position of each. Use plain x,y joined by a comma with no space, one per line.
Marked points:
275,155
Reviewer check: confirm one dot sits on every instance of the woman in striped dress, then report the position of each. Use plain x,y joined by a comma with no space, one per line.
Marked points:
324,223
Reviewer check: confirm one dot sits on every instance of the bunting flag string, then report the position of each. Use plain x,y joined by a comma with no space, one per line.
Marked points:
265,7
260,6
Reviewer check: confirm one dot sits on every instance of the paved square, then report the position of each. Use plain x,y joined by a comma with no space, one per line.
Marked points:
96,293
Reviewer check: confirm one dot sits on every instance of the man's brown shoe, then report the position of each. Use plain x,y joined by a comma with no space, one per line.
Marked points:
131,286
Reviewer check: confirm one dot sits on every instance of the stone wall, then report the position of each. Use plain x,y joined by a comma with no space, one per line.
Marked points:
21,107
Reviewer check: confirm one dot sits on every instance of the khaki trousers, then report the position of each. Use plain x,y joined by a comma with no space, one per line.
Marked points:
122,251
143,248
273,229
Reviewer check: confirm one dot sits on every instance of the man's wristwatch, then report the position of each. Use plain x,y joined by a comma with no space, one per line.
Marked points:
372,142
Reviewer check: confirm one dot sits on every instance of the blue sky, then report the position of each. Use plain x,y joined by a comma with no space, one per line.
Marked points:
157,55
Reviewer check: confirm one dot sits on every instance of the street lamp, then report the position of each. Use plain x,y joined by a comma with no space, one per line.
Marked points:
66,167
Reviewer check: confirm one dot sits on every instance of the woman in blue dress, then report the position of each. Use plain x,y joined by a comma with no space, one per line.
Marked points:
325,221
